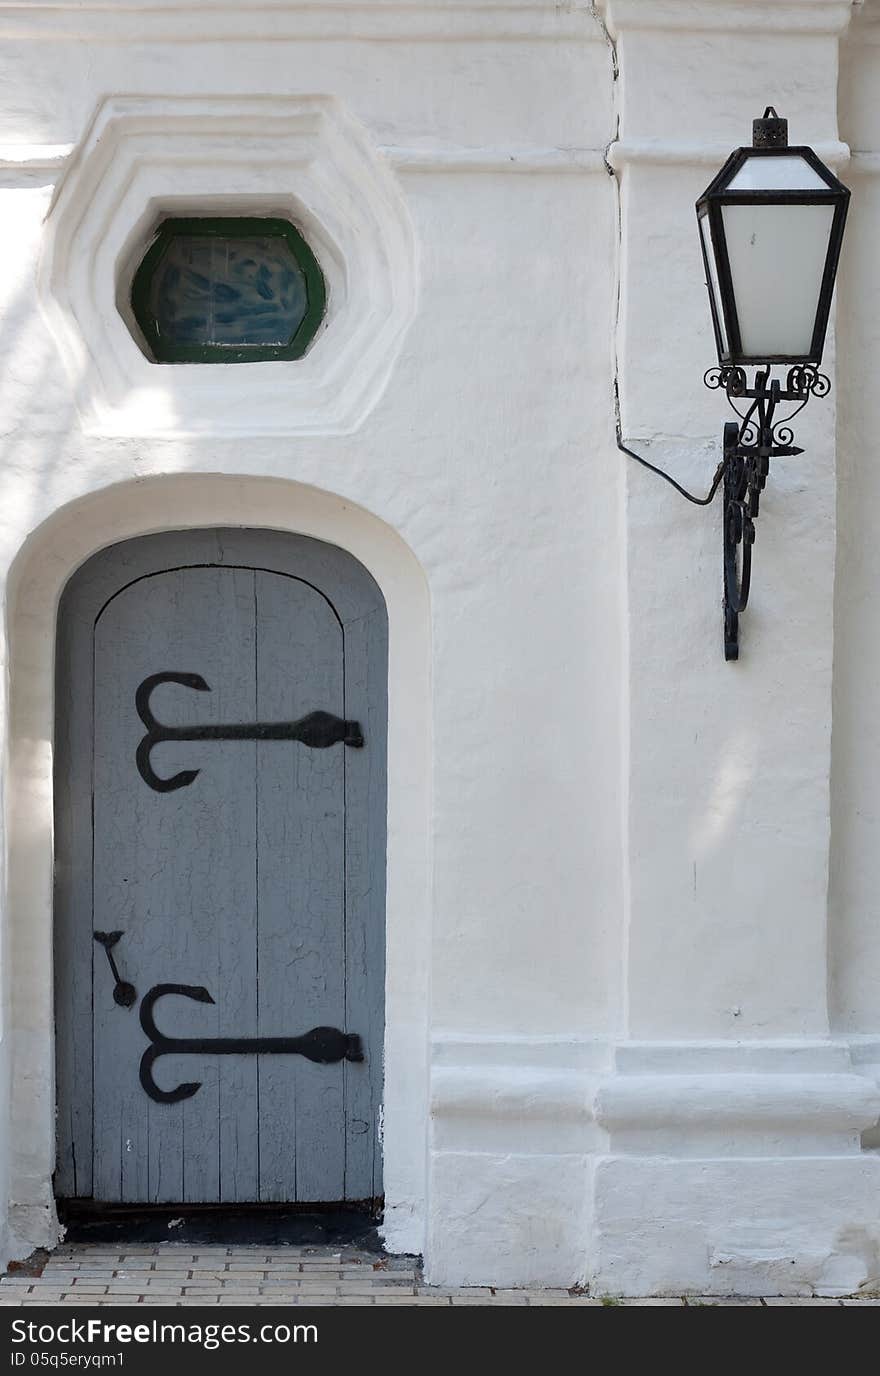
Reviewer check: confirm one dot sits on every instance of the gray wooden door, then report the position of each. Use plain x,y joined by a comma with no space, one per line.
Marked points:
245,868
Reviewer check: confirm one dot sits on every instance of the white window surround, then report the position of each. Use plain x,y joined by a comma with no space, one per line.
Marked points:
305,159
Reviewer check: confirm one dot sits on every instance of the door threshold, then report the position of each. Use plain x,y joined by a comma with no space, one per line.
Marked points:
224,1225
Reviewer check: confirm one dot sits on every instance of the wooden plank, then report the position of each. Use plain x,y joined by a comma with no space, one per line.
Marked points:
73,903
301,899
176,872
366,660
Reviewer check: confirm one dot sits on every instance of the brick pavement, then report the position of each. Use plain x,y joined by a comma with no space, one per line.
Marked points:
189,1274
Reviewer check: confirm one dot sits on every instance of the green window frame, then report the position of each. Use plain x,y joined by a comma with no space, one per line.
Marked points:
227,227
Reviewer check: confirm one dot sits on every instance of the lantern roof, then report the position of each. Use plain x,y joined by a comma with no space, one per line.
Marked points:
753,171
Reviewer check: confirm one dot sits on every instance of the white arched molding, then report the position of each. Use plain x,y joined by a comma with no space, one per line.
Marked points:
38,575
304,158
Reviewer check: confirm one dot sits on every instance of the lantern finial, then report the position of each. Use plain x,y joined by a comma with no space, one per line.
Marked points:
770,131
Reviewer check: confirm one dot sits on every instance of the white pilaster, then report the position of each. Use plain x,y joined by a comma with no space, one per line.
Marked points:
728,1166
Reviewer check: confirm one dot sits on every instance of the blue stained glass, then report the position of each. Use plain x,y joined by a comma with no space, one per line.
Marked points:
228,292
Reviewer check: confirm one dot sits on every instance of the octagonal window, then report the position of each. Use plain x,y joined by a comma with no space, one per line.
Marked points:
228,290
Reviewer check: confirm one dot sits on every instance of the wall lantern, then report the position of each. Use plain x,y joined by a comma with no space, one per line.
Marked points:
771,225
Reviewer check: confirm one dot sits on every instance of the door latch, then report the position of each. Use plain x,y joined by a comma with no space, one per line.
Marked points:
124,993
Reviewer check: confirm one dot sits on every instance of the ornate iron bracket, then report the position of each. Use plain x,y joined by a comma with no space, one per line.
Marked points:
748,446
318,730
324,1045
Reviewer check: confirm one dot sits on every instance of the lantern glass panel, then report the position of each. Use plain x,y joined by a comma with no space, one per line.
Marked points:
780,173
713,279
777,257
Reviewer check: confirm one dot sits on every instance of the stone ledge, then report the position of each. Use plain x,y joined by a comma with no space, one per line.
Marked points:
140,21
728,16
624,153
688,1099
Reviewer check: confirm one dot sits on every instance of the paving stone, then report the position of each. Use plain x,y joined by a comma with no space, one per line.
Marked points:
177,1275
99,1253
259,1300
35,1281
416,1299
316,1302
466,1291
105,1302
79,1272
173,1277
651,1301
352,1286
774,1300
128,1288
327,1288
583,1301
344,1267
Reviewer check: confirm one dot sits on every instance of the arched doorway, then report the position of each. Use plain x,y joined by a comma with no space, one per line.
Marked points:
220,804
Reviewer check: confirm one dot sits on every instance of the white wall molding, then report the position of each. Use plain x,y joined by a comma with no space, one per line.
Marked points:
865,1054
304,157
139,21
865,164
554,161
786,1088
35,157
29,158
683,1113
731,16
670,152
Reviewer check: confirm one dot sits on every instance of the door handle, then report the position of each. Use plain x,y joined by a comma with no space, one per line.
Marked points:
124,993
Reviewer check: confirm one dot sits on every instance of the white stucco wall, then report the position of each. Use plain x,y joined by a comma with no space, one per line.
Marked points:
855,871
609,1052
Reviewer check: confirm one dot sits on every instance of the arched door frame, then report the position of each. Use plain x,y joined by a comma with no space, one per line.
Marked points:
39,574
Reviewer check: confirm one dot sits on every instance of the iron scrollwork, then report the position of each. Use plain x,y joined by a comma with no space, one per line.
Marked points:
748,446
